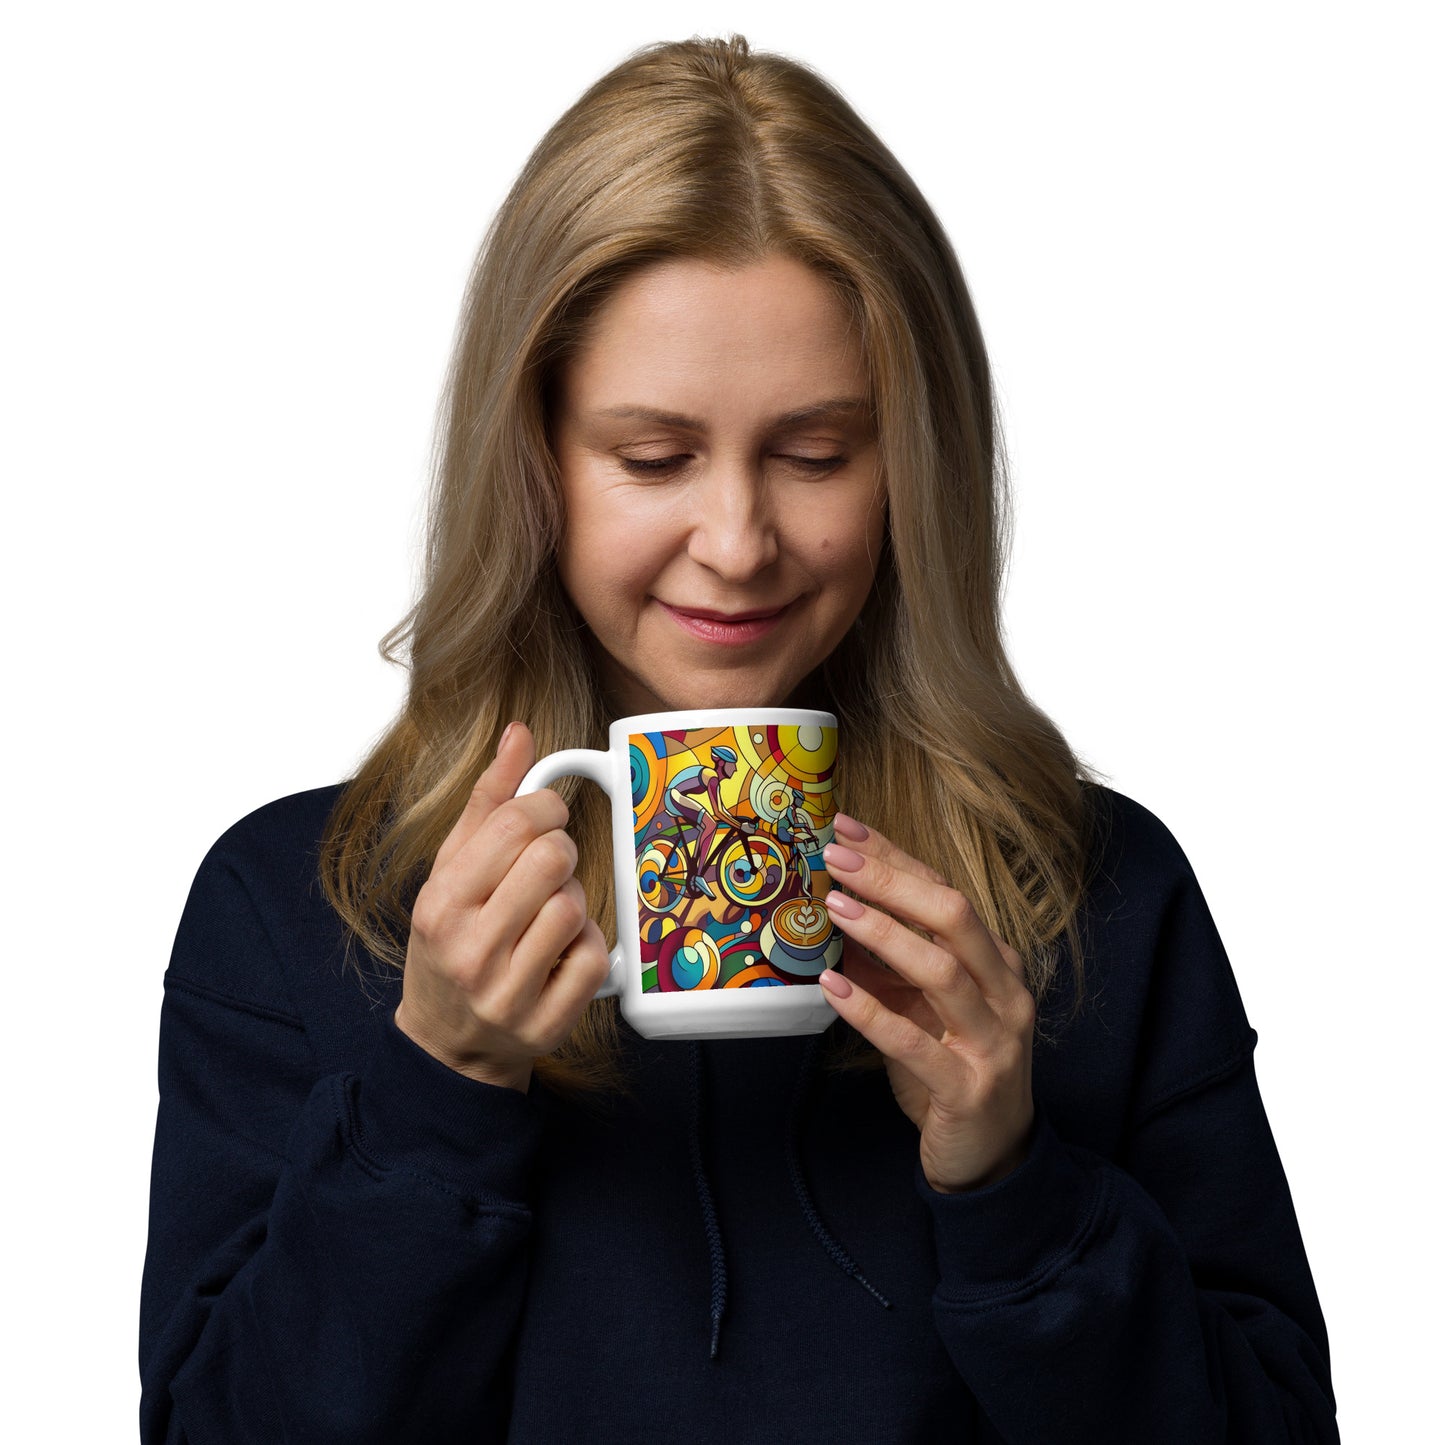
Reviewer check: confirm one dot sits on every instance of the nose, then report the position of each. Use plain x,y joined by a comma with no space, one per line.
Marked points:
734,533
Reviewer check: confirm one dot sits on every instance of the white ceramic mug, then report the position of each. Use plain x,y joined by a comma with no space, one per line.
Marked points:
719,819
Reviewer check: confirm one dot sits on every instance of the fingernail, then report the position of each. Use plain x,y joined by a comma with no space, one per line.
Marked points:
841,903
507,732
837,856
835,983
849,828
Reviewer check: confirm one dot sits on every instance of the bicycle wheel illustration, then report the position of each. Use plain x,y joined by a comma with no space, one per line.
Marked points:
661,874
753,870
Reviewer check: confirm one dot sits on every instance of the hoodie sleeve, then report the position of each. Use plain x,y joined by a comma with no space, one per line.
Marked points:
1164,1293
333,1258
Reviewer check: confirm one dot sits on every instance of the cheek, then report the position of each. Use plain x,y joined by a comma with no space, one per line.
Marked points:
591,557
847,551
604,568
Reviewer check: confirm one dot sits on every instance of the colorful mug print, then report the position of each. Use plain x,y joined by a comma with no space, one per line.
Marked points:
719,820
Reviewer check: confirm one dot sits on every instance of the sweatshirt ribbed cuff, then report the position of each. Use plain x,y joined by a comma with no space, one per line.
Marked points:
1001,1235
414,1112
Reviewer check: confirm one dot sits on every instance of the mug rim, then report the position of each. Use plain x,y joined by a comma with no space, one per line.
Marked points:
647,722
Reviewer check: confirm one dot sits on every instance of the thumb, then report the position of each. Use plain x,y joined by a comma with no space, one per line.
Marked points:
516,752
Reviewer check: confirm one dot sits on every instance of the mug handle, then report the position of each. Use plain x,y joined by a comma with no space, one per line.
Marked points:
582,763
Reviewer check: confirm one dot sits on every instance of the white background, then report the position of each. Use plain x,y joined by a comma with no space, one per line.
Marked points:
1204,245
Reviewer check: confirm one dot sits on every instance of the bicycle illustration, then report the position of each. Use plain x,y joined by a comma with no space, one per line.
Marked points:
751,866
702,842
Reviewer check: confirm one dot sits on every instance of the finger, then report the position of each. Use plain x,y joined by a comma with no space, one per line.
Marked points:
850,832
571,985
541,868
889,987
1010,955
897,1037
939,975
515,754
475,872
545,939
868,869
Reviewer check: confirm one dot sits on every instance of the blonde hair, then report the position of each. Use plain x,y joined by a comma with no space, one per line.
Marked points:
703,148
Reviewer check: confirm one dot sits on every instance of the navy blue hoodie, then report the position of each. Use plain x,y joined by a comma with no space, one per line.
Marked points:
350,1242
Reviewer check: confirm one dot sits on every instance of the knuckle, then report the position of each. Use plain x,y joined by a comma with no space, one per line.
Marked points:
584,910
1006,950
1027,1011
468,972
509,824
886,881
882,928
1004,1060
602,963
589,948
946,972
1021,1055
917,1042
1008,1055
553,855
428,912
864,1005
593,947
568,910
999,1080
548,808
958,911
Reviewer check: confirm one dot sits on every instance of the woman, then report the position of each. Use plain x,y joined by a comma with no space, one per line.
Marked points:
720,432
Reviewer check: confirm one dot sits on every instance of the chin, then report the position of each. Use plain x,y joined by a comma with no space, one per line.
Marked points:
741,692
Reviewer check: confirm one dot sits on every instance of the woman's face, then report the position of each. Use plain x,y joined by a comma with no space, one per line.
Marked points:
723,507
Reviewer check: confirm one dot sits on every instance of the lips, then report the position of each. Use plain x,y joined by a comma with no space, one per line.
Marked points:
734,629
709,615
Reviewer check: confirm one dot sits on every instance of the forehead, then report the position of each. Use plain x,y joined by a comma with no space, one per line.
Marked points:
688,334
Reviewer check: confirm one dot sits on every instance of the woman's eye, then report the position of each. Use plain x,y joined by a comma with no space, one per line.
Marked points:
654,465
651,464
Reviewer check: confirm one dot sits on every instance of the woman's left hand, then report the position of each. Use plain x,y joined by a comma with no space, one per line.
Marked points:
953,1019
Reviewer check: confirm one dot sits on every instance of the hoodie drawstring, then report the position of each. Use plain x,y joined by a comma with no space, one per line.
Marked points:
718,1262
709,1209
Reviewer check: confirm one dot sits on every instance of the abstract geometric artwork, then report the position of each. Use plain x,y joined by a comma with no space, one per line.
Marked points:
729,825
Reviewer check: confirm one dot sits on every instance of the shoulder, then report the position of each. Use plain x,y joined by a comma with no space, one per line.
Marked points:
1127,841
1137,871
1158,964
255,901
283,829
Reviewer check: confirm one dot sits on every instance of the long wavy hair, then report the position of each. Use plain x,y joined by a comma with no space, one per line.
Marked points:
705,149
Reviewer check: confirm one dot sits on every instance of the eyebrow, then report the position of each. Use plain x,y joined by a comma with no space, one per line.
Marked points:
835,407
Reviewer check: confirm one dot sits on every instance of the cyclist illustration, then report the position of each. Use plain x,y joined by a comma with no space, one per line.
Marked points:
695,798
795,828
796,833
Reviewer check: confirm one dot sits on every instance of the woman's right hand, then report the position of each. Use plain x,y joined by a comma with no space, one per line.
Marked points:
502,957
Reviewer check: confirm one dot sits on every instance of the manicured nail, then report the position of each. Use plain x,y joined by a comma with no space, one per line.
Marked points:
842,903
835,983
849,828
835,855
